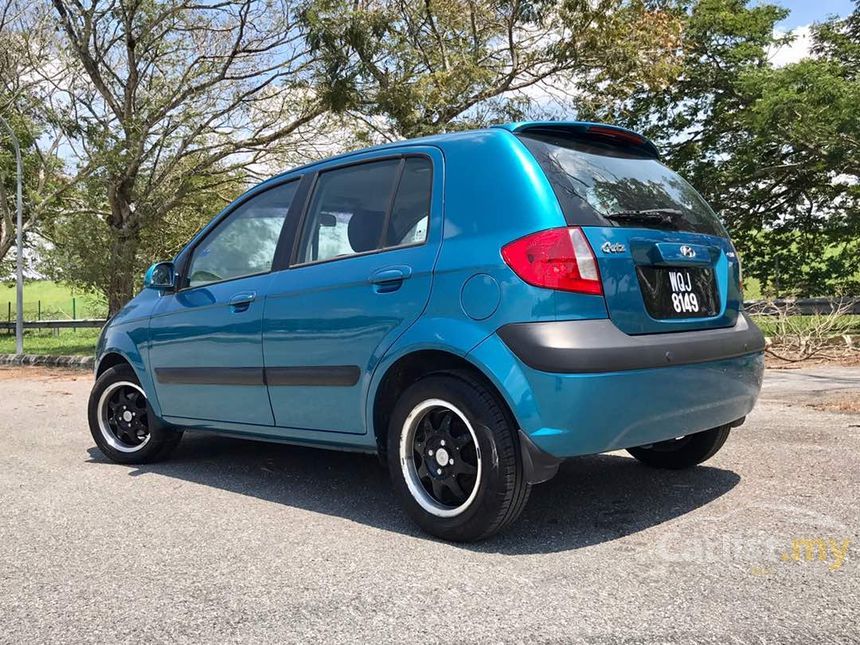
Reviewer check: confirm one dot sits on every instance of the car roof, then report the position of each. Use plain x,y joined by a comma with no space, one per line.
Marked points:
440,140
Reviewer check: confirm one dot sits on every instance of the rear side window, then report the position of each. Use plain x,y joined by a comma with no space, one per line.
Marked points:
367,207
603,184
410,214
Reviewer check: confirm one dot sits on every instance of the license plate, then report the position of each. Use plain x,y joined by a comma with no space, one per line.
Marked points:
678,292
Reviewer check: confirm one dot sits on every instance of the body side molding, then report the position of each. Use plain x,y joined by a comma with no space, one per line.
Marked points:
324,375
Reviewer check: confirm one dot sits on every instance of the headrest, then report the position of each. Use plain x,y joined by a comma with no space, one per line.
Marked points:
365,229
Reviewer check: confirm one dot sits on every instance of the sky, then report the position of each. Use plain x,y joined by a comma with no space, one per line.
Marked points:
805,12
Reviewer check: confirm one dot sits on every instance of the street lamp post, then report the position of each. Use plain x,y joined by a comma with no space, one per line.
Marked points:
19,242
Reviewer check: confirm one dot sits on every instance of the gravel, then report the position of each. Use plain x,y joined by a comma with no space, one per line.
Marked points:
235,541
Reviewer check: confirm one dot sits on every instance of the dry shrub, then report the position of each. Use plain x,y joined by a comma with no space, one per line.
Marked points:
794,337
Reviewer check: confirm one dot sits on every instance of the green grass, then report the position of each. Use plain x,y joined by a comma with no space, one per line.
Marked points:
769,327
69,342
752,289
56,301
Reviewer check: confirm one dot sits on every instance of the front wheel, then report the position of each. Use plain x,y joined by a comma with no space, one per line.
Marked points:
683,452
122,423
454,458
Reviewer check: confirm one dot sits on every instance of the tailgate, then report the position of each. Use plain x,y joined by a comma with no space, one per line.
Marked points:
665,260
663,281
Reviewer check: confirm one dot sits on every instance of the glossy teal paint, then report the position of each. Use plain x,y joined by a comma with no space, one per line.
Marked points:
126,336
579,414
200,328
480,296
620,286
160,276
331,313
488,191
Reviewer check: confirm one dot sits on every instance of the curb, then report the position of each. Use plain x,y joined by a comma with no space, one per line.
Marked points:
76,362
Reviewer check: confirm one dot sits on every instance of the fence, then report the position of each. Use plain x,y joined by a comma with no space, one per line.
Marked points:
81,323
54,309
803,306
76,313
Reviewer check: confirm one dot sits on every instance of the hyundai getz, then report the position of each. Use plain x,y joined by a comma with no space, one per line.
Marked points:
473,307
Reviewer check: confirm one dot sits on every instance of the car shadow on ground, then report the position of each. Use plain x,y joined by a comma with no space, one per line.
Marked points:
592,499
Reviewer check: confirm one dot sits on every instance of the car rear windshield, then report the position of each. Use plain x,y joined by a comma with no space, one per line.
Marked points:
603,184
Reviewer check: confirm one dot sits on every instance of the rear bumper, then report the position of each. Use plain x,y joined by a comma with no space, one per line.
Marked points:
591,413
588,346
602,398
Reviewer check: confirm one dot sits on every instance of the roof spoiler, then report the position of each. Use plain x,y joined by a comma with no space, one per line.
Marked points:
585,129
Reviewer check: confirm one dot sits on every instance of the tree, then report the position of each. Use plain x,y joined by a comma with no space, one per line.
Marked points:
78,239
26,45
170,99
774,150
412,68
794,182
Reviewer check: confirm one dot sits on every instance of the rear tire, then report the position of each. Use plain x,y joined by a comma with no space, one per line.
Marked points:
684,452
122,423
454,458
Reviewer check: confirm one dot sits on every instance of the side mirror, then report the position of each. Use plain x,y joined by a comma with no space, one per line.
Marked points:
160,276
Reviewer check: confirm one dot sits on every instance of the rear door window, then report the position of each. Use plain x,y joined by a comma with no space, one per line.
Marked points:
348,210
603,184
367,207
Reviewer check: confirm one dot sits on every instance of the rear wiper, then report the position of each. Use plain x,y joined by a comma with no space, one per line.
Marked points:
658,216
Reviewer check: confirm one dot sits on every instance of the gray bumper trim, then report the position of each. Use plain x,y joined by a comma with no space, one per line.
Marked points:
582,346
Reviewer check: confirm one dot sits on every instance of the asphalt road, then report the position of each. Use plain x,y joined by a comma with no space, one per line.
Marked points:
235,541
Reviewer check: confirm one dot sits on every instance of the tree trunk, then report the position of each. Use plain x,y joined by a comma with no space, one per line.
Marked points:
125,241
7,224
120,283
7,241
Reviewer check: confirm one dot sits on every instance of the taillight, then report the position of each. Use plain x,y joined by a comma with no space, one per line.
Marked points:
618,135
740,269
558,258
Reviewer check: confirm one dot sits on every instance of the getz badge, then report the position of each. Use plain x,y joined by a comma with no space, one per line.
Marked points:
610,247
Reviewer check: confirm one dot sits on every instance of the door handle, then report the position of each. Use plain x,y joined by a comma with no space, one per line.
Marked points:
390,278
241,301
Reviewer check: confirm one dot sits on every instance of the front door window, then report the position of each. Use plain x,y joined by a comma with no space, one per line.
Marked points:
244,243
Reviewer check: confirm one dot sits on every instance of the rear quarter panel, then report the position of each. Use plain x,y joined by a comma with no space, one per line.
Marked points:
494,193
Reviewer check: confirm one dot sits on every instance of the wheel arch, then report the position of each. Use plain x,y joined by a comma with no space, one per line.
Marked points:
122,344
415,365
109,360
410,368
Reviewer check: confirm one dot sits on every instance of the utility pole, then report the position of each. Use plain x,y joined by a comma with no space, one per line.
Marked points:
19,241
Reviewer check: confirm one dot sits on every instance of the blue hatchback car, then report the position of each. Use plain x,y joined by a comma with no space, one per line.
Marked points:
473,307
